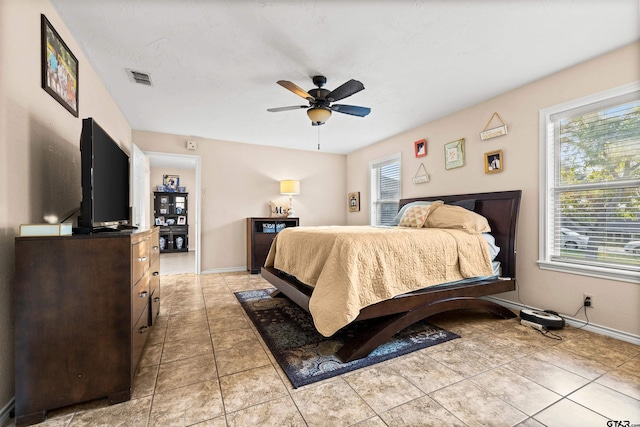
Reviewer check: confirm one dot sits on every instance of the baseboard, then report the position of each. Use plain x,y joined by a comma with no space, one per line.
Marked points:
226,270
591,327
5,412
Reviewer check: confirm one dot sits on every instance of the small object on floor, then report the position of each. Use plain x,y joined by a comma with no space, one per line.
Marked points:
546,319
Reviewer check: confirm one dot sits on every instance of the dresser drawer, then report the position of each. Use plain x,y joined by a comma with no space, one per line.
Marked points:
154,245
139,297
139,334
139,259
154,276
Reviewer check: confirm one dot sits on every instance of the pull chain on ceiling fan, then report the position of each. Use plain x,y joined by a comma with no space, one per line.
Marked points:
320,99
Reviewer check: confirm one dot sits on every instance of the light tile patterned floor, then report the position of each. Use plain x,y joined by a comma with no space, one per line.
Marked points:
205,365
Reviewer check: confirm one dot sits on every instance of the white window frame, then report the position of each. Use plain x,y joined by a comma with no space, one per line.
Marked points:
373,186
547,178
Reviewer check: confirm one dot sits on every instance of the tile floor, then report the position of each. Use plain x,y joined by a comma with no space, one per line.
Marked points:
177,262
205,365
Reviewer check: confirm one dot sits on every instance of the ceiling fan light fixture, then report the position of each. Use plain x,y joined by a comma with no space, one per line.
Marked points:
318,115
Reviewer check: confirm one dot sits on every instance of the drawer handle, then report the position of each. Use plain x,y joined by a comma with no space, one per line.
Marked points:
143,294
143,329
155,248
156,299
155,273
142,259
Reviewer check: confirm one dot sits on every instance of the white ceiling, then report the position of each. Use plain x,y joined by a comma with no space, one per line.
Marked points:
214,63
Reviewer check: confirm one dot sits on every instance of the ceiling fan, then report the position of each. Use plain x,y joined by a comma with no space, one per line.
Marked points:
320,107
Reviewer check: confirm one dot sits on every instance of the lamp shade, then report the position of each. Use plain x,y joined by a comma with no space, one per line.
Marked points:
318,115
289,186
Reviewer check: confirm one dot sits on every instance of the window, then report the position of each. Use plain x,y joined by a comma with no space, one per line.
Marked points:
385,189
590,185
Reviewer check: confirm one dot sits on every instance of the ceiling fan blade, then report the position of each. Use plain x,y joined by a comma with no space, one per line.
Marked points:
294,107
347,89
351,109
295,89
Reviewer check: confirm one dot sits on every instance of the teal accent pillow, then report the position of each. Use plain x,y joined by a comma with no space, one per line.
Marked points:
396,220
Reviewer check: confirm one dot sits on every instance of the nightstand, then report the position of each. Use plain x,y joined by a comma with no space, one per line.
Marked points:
260,234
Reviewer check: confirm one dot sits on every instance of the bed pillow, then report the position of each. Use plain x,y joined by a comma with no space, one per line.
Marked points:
398,217
447,216
279,209
494,249
415,216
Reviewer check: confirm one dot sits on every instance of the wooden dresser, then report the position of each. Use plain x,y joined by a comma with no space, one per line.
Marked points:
84,308
260,235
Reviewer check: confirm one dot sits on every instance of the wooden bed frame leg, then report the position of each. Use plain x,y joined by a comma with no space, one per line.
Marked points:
380,333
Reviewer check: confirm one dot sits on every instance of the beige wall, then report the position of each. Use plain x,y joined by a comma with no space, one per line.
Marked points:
238,181
616,303
188,180
39,146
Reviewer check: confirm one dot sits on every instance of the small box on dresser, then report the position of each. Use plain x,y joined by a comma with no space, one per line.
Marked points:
83,312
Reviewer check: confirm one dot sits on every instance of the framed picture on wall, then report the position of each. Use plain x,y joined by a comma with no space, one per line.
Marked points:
493,161
420,148
354,201
454,154
59,68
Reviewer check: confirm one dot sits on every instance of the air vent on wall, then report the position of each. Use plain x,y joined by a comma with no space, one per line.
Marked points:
140,77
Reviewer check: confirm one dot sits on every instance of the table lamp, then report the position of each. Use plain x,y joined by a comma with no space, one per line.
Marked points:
290,187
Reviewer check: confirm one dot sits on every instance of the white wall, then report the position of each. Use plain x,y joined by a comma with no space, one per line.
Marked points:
39,146
616,303
238,181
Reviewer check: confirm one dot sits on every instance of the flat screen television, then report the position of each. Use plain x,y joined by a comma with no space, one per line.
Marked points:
105,180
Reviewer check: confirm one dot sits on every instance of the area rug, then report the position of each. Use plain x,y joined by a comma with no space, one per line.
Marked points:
306,356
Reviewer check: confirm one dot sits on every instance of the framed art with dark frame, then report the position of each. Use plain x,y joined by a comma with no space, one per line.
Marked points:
493,161
420,148
59,68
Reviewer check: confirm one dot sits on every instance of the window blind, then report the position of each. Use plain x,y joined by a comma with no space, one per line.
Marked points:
385,190
595,191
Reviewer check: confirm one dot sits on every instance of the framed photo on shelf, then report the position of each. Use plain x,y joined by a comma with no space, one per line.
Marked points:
420,148
182,220
454,154
171,182
493,162
354,201
59,68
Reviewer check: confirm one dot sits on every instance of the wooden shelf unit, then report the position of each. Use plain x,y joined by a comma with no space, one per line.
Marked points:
259,240
168,209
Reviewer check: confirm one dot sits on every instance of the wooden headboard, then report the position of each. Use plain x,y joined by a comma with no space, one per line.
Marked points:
501,210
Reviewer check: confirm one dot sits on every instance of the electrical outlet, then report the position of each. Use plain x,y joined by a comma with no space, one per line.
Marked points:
587,300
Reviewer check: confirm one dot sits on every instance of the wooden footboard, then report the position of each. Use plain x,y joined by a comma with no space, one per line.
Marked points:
402,311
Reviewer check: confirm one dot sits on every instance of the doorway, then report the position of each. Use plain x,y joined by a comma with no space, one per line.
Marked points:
180,262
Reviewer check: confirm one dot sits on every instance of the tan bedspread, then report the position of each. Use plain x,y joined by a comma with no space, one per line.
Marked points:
352,267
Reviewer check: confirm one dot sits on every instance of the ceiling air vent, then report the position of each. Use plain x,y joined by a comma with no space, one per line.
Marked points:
139,77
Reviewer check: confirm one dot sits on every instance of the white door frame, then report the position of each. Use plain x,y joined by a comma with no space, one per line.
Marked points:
194,162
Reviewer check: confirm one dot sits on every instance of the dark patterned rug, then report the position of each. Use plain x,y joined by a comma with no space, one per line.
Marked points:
306,356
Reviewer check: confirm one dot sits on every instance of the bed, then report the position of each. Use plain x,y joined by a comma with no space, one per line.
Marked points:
401,310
